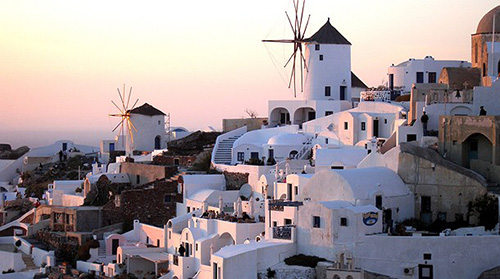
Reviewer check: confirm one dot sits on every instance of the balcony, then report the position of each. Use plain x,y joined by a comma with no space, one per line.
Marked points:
283,232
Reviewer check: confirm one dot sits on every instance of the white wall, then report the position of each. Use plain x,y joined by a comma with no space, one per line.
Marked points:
148,127
11,261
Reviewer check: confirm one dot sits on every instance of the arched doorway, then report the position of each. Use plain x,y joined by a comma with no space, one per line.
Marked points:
279,116
476,147
224,239
302,115
158,142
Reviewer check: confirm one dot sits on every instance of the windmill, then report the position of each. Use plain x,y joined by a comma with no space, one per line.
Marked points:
299,31
125,123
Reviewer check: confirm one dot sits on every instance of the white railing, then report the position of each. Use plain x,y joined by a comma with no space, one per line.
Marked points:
305,148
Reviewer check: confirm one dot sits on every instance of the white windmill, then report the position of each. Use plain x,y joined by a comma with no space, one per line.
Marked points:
125,133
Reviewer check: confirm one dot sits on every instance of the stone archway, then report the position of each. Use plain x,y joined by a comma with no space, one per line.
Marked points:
224,239
476,147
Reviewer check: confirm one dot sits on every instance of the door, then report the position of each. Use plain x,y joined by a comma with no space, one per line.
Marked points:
111,147
157,142
289,191
64,146
311,115
375,128
271,153
114,246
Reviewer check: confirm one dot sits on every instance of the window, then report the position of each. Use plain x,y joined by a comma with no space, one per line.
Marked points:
241,156
321,57
288,221
411,137
169,235
385,121
254,155
316,222
188,209
326,141
167,199
427,256
147,239
157,243
343,90
363,126
343,221
159,122
328,113
432,77
328,91
316,47
275,223
346,126
296,190
426,204
391,81
138,179
420,77
378,202
196,246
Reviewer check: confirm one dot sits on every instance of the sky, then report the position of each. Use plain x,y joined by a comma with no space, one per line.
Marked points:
201,61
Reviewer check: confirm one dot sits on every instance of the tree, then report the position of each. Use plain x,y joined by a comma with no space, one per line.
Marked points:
486,206
251,113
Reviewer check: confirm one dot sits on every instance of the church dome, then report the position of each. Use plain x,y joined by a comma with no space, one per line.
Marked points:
485,26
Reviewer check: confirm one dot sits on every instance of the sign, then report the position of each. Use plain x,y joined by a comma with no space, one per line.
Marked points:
370,218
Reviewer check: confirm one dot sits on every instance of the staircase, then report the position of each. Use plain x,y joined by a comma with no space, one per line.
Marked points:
102,248
30,265
304,151
223,154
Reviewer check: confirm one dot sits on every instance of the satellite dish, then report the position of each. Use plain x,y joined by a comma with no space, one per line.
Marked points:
246,191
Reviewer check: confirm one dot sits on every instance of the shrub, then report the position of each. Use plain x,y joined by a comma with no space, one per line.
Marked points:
487,208
304,260
270,273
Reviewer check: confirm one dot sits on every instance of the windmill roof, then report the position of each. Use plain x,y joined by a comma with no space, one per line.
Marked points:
356,82
327,34
147,109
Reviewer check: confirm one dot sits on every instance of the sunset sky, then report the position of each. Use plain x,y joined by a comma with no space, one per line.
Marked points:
200,61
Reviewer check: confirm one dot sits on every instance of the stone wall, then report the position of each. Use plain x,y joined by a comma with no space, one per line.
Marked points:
290,273
141,173
234,180
153,206
168,160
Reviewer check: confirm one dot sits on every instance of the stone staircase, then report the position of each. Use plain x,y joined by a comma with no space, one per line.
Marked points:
30,265
223,154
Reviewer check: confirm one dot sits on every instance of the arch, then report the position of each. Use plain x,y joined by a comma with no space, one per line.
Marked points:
3,189
223,240
303,114
349,277
279,116
476,146
461,110
158,142
336,276
292,154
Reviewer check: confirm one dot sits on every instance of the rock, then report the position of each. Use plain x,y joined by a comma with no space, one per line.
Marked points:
5,147
192,144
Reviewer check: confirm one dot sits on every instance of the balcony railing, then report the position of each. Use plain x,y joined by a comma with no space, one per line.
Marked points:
282,232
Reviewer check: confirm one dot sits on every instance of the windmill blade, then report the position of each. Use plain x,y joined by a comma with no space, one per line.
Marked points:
292,56
121,98
305,28
291,25
301,17
117,106
278,41
305,62
132,124
134,104
129,94
130,133
117,125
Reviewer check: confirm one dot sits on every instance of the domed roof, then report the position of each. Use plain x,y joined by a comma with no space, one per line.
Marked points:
287,139
486,24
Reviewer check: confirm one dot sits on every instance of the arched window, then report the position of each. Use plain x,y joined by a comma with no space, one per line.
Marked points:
336,276
293,153
349,277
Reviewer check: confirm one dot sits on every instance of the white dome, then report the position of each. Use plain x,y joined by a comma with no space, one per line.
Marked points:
287,139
